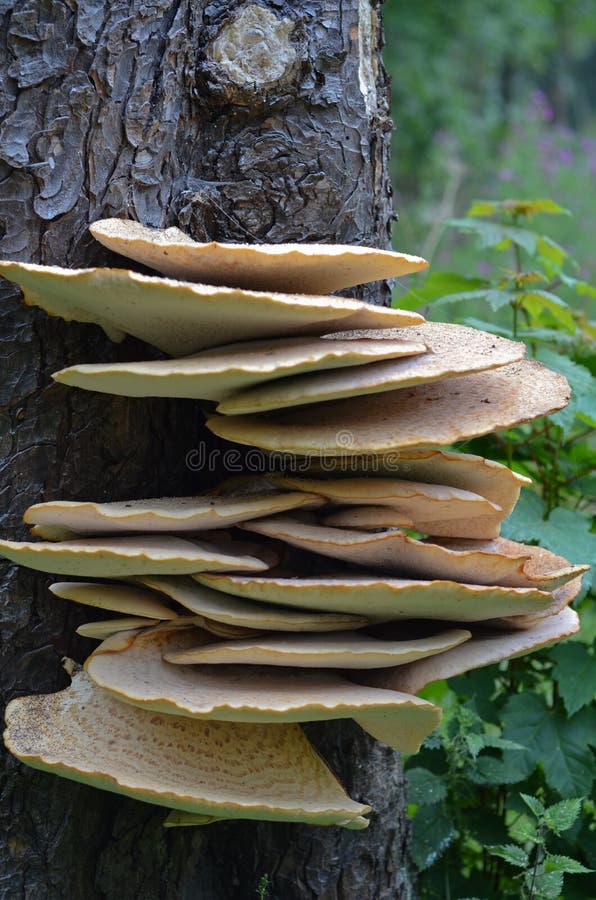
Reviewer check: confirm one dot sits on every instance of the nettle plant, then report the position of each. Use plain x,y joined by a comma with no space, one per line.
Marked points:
494,793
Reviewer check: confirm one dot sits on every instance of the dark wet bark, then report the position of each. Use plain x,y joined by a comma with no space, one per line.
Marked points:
113,107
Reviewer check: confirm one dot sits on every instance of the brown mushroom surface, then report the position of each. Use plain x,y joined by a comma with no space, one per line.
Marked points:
439,413
484,649
499,562
242,770
453,350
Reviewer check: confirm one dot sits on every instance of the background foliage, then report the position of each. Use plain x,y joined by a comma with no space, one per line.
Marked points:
497,101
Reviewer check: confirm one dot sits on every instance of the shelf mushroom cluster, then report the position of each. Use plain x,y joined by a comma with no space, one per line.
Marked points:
335,587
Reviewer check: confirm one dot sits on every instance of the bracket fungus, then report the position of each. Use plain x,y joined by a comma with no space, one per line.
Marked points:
193,699
304,268
220,373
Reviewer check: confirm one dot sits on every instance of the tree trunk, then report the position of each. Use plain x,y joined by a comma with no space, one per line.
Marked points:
238,121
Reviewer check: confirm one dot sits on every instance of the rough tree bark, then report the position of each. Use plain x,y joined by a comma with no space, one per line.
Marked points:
239,121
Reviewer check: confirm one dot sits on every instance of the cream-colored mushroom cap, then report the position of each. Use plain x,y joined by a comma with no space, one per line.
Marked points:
438,413
413,501
339,650
171,514
385,598
181,318
453,350
124,556
131,667
216,374
486,648
305,268
122,598
105,628
492,480
498,562
234,769
219,607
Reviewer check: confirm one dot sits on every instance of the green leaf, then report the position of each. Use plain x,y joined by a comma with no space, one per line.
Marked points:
582,288
534,804
475,743
491,327
432,833
546,335
560,745
535,301
551,251
511,853
425,787
583,385
494,297
491,234
526,832
517,208
433,741
547,885
491,770
575,673
556,863
561,816
437,285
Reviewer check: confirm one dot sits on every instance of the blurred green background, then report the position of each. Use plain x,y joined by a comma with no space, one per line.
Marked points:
492,100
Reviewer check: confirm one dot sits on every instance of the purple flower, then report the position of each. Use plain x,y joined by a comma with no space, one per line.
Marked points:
505,175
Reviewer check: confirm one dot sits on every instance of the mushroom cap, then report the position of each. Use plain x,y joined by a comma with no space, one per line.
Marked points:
366,518
490,479
220,607
121,598
171,514
485,648
216,374
385,598
230,769
498,562
131,667
561,597
413,500
123,556
320,268
181,318
453,350
105,628
439,413
339,650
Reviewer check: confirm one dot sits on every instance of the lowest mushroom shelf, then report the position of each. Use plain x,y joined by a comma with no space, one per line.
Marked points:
332,608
